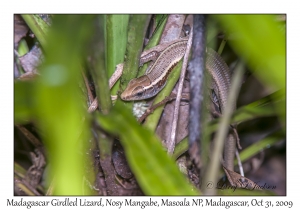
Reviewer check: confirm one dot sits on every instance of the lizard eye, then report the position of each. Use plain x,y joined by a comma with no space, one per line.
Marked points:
139,92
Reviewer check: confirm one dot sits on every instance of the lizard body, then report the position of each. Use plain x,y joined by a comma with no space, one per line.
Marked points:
153,81
156,76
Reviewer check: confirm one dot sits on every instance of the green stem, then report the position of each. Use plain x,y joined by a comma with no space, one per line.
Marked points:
259,146
37,26
152,120
116,39
136,32
222,45
154,40
181,148
98,67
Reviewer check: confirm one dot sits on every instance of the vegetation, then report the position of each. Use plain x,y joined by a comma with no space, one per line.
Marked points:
53,105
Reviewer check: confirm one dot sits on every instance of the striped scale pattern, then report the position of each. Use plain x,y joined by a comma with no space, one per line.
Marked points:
166,60
220,74
155,78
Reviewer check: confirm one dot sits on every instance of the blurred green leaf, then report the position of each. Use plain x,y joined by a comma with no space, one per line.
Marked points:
19,171
155,171
97,64
38,26
60,109
261,43
24,102
23,47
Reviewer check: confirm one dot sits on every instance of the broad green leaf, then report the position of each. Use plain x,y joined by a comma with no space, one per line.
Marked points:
60,109
24,102
262,44
261,41
156,172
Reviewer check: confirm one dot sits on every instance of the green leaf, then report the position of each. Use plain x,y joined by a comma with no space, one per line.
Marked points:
38,26
136,32
262,44
116,39
156,172
264,107
23,48
260,146
19,171
152,120
180,148
154,40
97,64
24,102
60,109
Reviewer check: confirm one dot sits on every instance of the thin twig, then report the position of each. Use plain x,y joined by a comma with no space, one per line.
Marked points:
166,100
25,186
171,139
222,45
35,141
51,188
89,92
239,162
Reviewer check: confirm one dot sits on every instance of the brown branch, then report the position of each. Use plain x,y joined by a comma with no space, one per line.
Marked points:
171,140
166,100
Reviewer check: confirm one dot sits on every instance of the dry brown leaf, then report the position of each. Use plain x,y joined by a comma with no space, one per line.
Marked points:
239,181
20,29
32,59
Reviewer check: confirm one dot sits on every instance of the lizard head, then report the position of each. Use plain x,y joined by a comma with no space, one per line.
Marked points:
137,89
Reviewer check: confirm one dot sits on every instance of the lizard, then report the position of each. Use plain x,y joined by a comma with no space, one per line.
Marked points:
165,57
219,87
